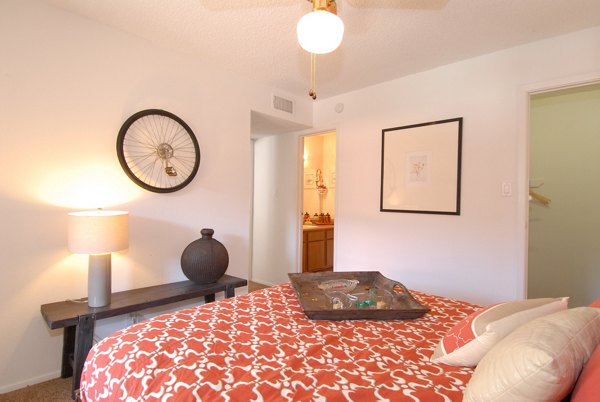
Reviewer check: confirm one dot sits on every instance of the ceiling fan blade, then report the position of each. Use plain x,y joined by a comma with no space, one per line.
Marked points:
397,4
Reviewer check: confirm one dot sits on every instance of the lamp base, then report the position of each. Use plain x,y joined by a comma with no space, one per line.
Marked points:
99,282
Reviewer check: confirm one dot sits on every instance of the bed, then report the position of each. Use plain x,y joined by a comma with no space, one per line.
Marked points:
262,347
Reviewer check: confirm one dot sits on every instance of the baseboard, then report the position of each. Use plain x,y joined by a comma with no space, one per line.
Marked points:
35,380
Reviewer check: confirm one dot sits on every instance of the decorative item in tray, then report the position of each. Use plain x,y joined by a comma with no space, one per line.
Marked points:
364,295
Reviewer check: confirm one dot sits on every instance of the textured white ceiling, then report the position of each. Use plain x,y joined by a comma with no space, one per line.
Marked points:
384,39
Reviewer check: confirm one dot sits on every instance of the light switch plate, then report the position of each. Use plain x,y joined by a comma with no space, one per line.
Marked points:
506,189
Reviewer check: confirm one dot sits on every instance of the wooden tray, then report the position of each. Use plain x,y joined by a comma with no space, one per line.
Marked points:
324,296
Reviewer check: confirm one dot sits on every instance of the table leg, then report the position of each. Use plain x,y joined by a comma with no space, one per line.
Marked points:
229,291
84,339
209,298
66,368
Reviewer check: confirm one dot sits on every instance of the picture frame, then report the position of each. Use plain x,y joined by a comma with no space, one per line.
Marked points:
421,168
310,178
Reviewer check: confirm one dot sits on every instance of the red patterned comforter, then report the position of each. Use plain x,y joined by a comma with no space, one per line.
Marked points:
261,347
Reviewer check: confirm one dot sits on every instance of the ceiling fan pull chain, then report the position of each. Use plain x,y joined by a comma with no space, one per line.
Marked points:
313,70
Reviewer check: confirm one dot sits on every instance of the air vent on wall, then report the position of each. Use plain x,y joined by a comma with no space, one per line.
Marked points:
283,104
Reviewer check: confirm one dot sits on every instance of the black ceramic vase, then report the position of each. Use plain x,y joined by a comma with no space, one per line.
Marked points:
204,260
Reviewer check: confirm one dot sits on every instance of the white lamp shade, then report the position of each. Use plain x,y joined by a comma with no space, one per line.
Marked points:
98,232
320,32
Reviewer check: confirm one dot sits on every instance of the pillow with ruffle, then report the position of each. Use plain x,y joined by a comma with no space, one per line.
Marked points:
469,340
595,303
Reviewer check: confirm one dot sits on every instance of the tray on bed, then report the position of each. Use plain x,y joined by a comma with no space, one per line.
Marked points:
364,295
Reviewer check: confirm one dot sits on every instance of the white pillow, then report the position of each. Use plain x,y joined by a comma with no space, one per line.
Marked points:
539,361
470,339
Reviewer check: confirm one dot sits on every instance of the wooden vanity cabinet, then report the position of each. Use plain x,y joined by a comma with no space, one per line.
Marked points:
329,249
317,249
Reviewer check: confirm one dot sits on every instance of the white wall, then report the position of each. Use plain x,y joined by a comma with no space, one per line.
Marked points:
276,222
479,255
67,85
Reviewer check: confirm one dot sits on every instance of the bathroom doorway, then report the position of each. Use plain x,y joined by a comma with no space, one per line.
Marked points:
318,201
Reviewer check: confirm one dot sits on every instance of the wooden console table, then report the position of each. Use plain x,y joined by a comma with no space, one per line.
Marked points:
78,319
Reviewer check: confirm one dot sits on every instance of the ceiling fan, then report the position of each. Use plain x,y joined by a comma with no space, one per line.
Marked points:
319,32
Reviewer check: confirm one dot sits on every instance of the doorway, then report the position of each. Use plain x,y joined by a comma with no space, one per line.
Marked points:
318,201
564,172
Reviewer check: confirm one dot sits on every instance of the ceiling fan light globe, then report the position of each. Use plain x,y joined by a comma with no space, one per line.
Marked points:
320,32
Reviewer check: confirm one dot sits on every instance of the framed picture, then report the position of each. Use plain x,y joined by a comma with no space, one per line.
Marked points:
309,178
420,168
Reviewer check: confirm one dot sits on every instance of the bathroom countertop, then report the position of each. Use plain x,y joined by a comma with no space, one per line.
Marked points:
316,227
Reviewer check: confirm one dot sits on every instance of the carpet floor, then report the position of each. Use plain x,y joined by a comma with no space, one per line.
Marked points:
57,390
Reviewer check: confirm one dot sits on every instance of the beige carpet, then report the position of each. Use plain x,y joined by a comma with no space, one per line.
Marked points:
57,390
252,286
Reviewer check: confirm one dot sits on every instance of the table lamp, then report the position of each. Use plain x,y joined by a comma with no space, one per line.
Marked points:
98,233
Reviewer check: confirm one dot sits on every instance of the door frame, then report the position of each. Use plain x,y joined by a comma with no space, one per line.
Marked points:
300,206
523,150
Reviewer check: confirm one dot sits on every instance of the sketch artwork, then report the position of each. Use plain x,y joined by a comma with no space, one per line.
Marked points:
417,168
